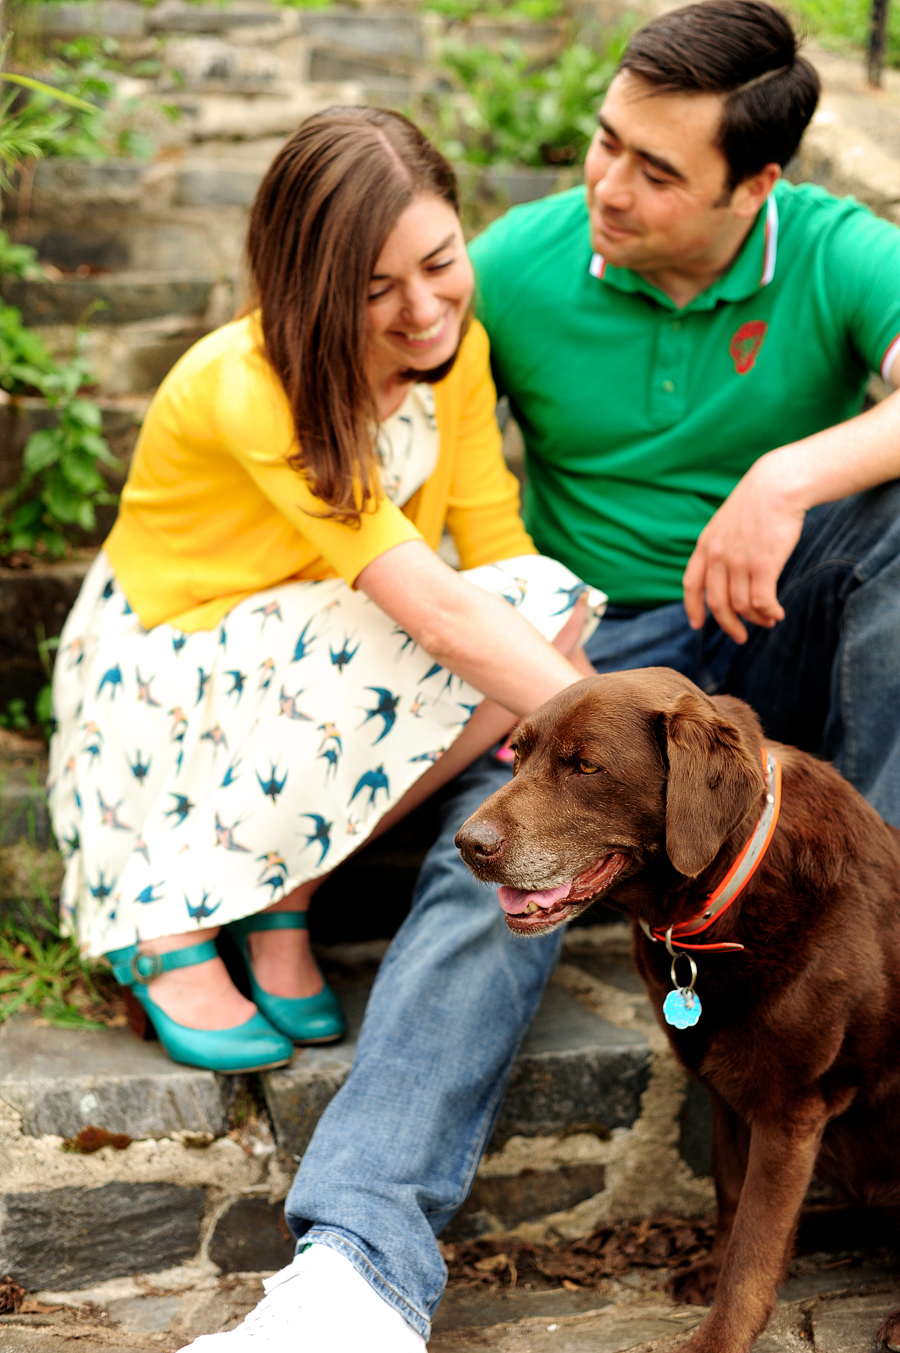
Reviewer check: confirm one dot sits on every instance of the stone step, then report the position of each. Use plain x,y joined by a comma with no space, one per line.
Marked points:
575,1072
111,298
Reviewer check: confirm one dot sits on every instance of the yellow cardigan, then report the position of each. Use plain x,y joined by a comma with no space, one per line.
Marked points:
212,512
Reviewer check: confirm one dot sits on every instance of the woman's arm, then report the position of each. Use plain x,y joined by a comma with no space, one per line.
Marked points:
475,635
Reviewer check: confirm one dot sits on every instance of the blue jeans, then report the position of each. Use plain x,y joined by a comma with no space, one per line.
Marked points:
395,1152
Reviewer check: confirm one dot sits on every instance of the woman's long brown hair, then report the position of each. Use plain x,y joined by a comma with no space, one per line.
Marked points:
320,219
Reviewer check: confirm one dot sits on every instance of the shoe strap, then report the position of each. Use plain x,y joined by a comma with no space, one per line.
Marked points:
133,968
272,920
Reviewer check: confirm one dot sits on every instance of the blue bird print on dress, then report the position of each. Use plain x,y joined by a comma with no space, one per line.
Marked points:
231,774
144,693
103,889
429,756
75,651
432,671
225,836
329,733
571,595
331,755
109,815
202,679
179,724
267,667
304,643
140,769
287,704
270,608
180,808
112,678
126,609
275,866
344,656
237,684
470,709
273,786
201,911
373,780
69,844
321,834
145,896
386,709
223,637
93,750
108,589
178,641
408,641
417,706
141,848
215,735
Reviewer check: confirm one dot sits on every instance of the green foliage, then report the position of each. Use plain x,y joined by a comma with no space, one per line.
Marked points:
534,11
43,973
49,121
839,23
506,112
15,715
18,260
60,485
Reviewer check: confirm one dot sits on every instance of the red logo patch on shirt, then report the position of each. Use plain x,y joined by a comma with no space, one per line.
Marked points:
746,343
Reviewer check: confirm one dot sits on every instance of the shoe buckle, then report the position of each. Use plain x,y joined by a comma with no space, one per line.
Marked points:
144,967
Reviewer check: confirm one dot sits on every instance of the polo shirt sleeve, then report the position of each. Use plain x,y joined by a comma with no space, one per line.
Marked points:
483,505
862,262
260,436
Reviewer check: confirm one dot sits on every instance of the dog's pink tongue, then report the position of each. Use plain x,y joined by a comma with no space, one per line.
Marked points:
516,900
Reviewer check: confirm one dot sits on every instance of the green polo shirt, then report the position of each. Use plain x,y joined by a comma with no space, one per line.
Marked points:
639,418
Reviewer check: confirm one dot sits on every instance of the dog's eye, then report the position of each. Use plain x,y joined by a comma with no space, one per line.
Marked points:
585,768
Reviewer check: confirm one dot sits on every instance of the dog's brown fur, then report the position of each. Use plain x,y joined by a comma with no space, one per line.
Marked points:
799,1039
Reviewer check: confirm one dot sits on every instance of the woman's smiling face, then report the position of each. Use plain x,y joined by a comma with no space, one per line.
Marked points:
419,292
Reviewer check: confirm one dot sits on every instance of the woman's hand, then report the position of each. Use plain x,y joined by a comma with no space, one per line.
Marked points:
475,635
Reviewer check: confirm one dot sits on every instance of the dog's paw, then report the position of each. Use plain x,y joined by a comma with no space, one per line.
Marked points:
888,1335
695,1285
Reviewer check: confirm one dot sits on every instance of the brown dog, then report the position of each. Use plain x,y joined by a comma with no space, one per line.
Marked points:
638,787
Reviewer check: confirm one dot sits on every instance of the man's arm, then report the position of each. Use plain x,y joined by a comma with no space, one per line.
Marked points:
739,556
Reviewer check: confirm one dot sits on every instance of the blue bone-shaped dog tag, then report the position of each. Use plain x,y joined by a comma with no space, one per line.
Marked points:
682,1008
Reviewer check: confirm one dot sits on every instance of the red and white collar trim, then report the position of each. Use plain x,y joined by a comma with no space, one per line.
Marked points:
737,878
598,264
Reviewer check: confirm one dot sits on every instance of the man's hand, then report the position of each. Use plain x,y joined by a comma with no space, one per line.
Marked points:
739,556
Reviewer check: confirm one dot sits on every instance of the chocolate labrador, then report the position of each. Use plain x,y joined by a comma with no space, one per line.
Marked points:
765,898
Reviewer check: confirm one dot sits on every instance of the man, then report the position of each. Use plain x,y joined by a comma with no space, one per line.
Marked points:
686,353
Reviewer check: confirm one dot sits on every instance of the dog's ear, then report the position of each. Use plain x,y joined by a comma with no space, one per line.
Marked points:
714,779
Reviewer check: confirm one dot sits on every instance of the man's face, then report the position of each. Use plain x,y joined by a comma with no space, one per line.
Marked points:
656,182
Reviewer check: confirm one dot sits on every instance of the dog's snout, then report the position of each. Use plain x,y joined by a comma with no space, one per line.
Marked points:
479,842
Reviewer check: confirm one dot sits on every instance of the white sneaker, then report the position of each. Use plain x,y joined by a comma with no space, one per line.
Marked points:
318,1304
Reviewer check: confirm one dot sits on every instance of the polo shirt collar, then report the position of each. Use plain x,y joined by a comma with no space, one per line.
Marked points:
753,268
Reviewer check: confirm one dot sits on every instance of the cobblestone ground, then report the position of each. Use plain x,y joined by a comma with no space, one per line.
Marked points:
832,1303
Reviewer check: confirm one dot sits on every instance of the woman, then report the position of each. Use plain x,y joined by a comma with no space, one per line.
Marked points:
269,662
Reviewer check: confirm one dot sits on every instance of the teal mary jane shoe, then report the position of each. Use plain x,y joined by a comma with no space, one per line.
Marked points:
252,1046
305,1019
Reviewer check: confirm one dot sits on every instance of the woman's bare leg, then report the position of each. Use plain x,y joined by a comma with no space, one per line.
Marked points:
282,959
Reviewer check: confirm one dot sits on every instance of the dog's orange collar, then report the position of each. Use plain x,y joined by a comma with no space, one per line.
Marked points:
737,878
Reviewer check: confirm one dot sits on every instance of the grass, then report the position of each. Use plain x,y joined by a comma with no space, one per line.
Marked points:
46,973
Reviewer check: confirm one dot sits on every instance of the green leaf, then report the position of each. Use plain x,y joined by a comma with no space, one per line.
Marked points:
41,450
85,412
28,83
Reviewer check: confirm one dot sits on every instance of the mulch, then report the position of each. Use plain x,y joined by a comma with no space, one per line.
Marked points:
669,1243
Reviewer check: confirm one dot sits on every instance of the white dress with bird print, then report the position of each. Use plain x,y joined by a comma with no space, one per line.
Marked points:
197,778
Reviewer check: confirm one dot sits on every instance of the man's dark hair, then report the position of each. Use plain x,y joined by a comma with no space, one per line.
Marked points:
746,51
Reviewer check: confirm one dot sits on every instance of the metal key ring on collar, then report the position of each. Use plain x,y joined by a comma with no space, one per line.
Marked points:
676,955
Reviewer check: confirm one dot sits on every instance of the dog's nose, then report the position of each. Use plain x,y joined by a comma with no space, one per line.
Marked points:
479,841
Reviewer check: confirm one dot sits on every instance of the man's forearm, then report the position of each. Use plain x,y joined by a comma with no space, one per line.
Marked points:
839,461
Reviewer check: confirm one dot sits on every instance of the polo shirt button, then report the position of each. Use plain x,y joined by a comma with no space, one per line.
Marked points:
668,386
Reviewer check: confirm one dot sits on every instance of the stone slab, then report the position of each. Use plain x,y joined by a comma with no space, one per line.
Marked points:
527,1196
849,1325
384,33
67,1238
117,298
216,185
61,1080
251,1235
207,18
573,1068
30,598
112,19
